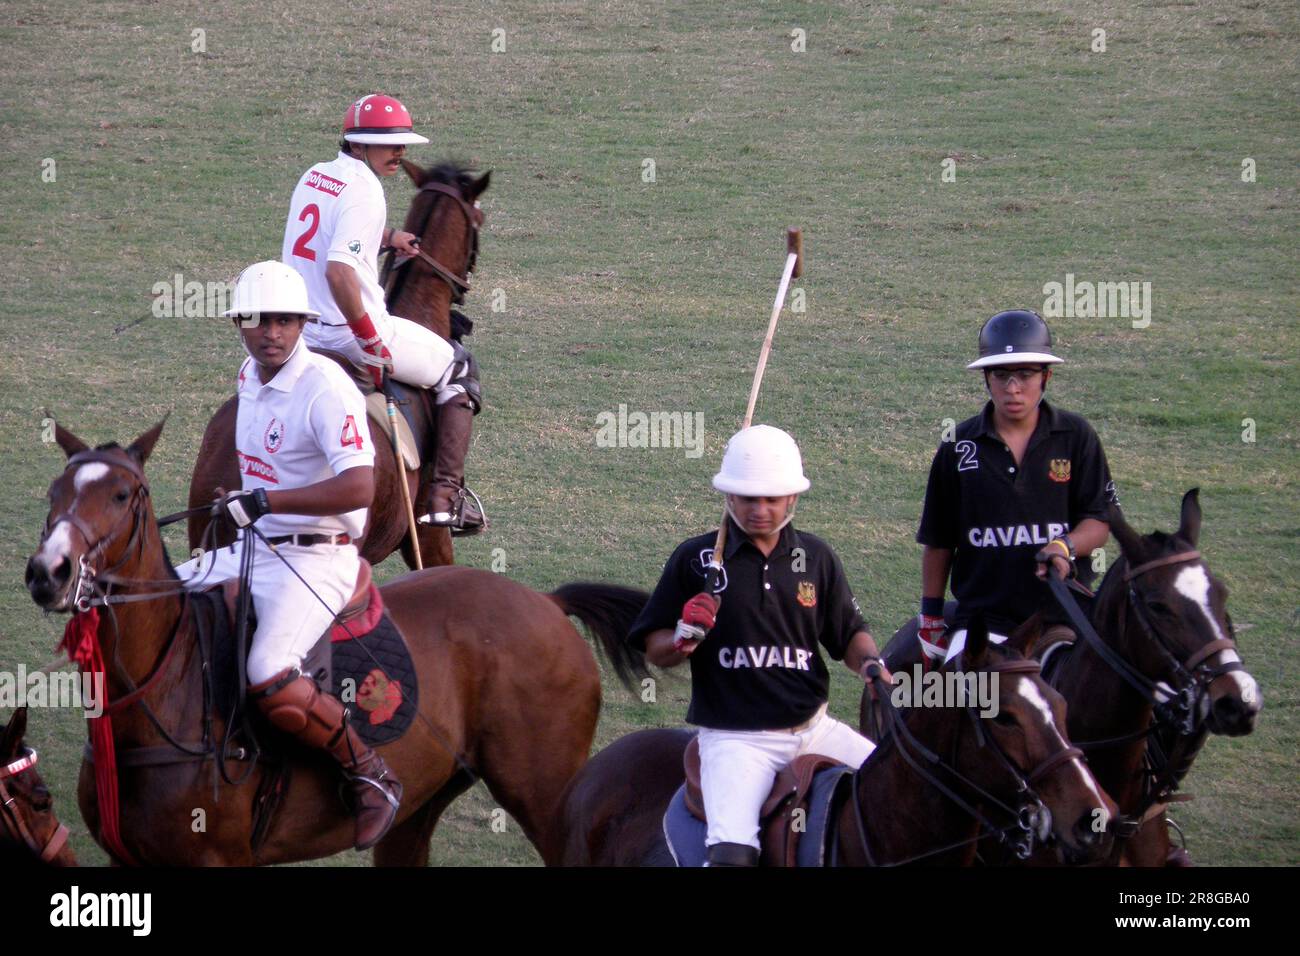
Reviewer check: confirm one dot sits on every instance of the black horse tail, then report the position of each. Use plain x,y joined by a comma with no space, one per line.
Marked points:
608,611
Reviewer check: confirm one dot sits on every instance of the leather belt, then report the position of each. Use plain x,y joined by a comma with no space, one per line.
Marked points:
307,540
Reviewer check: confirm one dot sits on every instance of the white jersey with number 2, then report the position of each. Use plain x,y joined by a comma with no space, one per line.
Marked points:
337,214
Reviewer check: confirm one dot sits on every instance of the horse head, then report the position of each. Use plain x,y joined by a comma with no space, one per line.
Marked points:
1170,615
445,216
1020,733
27,821
98,518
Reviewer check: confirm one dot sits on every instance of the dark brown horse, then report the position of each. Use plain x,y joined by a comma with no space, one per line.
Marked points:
444,215
613,809
508,690
1163,672
30,833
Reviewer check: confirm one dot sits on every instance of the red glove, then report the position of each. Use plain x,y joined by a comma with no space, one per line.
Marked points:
698,617
701,611
376,353
932,632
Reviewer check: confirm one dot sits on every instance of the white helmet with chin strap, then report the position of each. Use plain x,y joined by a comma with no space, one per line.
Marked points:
270,287
761,462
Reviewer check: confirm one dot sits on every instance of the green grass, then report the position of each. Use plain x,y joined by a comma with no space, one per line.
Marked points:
1114,166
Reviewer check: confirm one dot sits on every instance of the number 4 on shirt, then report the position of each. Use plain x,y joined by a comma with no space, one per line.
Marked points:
350,434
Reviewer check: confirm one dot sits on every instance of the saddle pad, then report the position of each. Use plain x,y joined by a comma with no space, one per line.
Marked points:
684,833
374,676
377,409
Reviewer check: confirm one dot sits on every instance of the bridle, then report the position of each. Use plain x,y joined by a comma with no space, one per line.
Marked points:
1192,675
1030,818
86,591
458,281
14,821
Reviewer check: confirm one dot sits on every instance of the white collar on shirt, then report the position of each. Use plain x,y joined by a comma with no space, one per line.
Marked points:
362,169
286,377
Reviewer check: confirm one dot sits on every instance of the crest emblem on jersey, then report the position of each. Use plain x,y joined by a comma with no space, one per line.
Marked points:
354,247
274,436
1059,469
807,594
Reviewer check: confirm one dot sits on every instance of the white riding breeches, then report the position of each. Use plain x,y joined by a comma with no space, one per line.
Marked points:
738,768
289,617
421,357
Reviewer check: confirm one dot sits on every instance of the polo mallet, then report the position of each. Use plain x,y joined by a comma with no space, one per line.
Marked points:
391,405
793,269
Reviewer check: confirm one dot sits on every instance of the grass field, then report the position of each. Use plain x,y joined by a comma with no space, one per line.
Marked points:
1119,165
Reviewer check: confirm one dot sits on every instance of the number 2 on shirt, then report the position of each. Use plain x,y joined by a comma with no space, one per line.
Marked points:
300,248
350,434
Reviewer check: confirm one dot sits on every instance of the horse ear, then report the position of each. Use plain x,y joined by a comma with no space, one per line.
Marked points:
977,643
1189,525
12,739
142,447
1026,635
414,172
69,442
1130,542
479,186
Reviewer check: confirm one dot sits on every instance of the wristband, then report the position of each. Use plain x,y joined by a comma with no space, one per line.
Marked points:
363,328
1064,546
932,606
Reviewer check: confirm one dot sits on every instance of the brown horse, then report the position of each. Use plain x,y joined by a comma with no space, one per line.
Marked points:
1162,671
898,813
508,690
444,215
30,833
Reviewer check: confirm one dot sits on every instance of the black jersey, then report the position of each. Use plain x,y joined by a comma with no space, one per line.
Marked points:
759,668
996,515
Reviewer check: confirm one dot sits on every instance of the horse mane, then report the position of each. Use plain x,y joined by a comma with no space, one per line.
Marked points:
449,172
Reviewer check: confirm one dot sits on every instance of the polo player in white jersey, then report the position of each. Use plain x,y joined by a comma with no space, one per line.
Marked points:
308,478
336,228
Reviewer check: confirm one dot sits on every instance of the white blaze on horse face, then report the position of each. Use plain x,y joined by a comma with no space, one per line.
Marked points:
88,473
1029,691
1194,584
57,546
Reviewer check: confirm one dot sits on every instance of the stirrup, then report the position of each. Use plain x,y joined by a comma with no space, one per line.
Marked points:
455,519
378,783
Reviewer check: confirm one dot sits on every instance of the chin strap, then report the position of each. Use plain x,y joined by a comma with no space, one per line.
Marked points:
789,516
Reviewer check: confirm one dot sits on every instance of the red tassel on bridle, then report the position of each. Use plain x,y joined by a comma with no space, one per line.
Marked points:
81,641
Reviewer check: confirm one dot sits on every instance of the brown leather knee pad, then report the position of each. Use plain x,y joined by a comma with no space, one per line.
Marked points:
295,704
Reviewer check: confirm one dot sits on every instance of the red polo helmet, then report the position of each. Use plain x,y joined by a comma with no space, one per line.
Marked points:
379,119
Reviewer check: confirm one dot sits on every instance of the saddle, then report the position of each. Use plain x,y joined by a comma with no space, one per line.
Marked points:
361,658
417,429
793,819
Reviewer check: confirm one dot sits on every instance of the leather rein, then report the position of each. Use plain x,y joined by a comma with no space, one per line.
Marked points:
458,281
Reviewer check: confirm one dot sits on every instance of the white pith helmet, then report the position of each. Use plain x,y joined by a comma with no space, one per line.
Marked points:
761,462
269,287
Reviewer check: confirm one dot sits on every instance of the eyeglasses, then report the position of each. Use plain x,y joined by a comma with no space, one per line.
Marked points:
1022,376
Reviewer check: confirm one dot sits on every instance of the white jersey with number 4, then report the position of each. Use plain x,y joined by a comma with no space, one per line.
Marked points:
307,424
337,214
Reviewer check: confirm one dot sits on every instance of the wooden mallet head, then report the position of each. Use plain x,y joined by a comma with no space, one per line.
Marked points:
794,243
